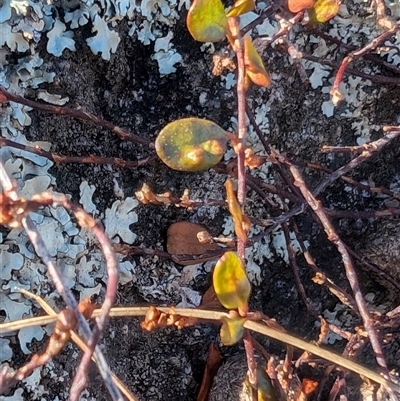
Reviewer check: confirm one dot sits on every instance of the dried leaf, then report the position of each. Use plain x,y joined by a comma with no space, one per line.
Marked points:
183,239
210,371
324,331
296,6
210,300
231,283
206,20
240,221
241,7
324,10
253,161
308,386
336,96
231,330
255,69
191,144
155,319
86,307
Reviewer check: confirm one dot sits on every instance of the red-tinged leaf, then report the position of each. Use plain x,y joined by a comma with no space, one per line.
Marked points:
191,144
210,300
206,20
309,386
212,365
296,6
3,97
183,239
236,211
231,330
241,7
231,283
255,69
324,10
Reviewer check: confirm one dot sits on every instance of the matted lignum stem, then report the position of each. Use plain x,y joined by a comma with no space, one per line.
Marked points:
55,275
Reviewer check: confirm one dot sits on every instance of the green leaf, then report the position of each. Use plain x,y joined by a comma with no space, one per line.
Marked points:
206,20
240,221
241,7
265,389
231,283
231,330
323,10
255,69
191,144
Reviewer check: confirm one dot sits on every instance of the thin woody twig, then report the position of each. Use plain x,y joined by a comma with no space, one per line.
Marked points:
378,79
369,150
78,341
54,273
237,45
375,269
273,331
321,278
91,159
336,96
85,220
75,113
364,214
349,180
372,57
300,287
342,149
348,264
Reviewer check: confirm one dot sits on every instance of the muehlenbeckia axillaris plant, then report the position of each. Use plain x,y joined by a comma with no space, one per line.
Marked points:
193,144
208,22
231,283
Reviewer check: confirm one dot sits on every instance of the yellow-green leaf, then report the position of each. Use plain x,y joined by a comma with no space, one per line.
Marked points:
206,20
231,330
191,144
265,389
324,10
239,221
241,7
255,69
231,283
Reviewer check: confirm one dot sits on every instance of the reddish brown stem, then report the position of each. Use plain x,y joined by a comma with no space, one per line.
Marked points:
348,264
111,264
61,159
378,79
359,53
372,57
75,113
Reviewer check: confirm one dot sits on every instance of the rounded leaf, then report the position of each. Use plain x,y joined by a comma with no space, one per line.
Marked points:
206,20
191,144
295,6
231,330
183,239
231,283
324,10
